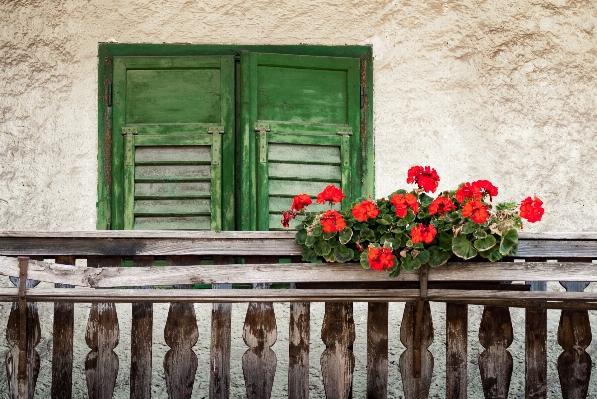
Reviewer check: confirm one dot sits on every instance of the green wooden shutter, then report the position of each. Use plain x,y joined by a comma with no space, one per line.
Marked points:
173,143
303,120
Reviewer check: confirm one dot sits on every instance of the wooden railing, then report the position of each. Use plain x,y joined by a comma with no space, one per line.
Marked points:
541,258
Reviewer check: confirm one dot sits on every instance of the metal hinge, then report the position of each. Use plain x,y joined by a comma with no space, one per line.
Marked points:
215,129
110,95
129,131
344,131
362,97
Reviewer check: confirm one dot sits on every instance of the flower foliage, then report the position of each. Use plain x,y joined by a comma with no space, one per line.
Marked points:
410,228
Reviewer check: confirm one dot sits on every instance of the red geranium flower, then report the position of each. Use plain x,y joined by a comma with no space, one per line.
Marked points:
286,218
301,201
331,194
476,211
365,210
422,233
425,177
468,191
441,206
332,221
485,188
402,201
381,258
532,209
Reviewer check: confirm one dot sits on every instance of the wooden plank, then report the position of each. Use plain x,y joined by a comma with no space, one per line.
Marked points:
291,272
181,334
173,155
416,387
574,336
456,351
302,153
291,171
260,333
173,222
102,336
141,341
495,362
221,341
377,351
169,207
298,350
536,348
62,346
172,172
337,360
173,189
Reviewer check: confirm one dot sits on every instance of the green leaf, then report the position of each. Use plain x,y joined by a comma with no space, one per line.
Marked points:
321,247
395,271
423,256
463,248
480,233
437,256
328,236
445,241
492,254
331,257
409,263
391,243
486,243
469,227
410,216
310,240
301,236
343,254
317,231
309,255
367,234
425,200
334,243
509,242
345,235
365,259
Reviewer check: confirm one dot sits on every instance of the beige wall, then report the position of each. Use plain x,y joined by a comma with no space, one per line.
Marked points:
500,90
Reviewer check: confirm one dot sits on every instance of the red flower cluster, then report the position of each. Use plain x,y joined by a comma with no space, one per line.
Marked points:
402,202
425,177
422,233
532,209
476,191
286,218
381,258
301,201
332,221
476,211
486,188
365,210
331,194
441,206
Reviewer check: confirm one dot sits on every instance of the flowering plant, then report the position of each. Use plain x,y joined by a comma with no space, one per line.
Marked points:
411,228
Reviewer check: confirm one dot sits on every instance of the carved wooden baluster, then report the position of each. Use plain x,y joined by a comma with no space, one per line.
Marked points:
102,336
495,362
221,340
416,387
141,340
337,360
536,348
259,333
33,335
377,350
456,350
62,347
181,334
574,336
298,351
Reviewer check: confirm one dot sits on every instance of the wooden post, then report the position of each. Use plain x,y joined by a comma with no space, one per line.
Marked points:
495,362
536,348
377,350
456,350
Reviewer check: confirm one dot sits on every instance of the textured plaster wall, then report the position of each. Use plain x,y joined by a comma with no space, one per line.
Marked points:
502,90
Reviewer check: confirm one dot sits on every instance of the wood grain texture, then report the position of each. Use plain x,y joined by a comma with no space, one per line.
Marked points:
377,350
337,360
141,341
259,361
298,350
62,346
417,388
574,336
495,362
102,336
456,351
292,272
536,349
181,334
221,340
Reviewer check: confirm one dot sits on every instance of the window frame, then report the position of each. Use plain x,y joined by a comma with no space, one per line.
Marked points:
107,52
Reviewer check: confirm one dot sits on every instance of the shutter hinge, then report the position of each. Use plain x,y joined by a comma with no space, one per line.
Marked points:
362,97
215,129
129,131
262,128
344,131
110,95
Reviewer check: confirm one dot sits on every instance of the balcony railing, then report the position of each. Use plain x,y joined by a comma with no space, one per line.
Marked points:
224,259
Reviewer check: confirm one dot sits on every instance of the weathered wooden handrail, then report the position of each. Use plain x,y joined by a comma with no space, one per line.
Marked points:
564,258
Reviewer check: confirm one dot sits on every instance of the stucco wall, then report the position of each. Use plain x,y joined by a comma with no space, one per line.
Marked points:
501,90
